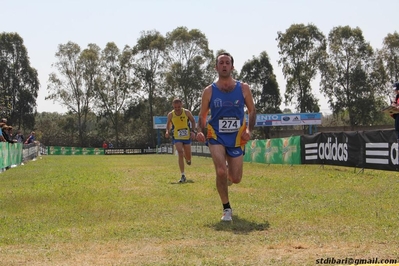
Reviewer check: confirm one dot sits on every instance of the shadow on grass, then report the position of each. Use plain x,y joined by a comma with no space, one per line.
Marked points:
240,226
178,183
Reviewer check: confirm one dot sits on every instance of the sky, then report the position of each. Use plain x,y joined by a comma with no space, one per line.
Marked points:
243,28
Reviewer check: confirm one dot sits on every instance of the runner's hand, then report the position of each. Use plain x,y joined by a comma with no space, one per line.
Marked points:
246,135
201,137
193,136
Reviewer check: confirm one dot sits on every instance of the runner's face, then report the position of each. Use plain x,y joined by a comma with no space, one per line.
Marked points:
177,107
224,66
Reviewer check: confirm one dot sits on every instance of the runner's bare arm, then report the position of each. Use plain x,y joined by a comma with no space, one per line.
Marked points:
249,102
168,124
206,97
192,120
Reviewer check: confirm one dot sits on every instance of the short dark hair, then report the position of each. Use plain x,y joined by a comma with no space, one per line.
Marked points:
176,100
227,54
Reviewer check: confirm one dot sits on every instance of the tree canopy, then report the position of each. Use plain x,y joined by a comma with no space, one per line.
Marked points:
113,93
19,83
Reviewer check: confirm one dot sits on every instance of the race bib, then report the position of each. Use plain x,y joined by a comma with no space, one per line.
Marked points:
229,124
182,132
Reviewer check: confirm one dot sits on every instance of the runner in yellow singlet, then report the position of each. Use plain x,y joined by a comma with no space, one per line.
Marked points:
181,123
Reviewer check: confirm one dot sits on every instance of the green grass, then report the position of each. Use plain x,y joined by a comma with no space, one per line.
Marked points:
130,210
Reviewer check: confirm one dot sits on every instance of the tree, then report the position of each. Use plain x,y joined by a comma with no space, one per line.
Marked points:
55,129
258,72
346,75
300,49
148,66
138,114
188,59
91,67
390,55
19,84
116,85
379,80
73,86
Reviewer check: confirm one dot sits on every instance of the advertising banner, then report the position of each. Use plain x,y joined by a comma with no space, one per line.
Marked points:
274,151
291,150
15,153
380,150
5,158
377,149
60,150
159,122
343,148
288,119
10,154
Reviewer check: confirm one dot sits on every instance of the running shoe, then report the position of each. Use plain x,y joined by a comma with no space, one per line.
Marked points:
182,179
227,215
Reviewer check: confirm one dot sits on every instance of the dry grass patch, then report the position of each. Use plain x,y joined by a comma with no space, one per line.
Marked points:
129,210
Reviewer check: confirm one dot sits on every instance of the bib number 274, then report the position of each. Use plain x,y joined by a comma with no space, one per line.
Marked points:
229,124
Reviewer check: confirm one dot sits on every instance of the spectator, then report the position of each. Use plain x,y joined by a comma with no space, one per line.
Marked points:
11,134
105,145
31,138
19,137
396,105
6,133
2,139
110,145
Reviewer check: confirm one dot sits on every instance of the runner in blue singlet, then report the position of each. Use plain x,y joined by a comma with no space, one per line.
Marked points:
227,130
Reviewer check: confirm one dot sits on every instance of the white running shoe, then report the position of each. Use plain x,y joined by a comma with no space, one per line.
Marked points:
227,215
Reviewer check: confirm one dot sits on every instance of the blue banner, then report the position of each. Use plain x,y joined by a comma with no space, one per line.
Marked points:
264,120
288,119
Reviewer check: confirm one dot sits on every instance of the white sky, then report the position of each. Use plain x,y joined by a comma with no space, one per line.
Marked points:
243,28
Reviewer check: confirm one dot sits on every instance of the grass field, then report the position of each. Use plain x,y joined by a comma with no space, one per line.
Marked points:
130,210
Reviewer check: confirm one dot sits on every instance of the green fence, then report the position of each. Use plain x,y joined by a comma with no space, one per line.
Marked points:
11,154
270,151
274,151
58,150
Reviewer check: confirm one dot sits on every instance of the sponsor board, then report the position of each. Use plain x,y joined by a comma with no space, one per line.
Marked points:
368,149
263,120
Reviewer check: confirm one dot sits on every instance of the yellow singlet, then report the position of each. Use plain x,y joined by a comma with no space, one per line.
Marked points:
180,126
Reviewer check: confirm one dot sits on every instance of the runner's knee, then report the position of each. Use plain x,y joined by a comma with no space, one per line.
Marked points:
221,171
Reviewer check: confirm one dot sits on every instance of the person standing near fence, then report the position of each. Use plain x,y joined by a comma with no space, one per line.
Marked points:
181,125
395,103
7,134
31,138
19,137
105,145
2,139
227,130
